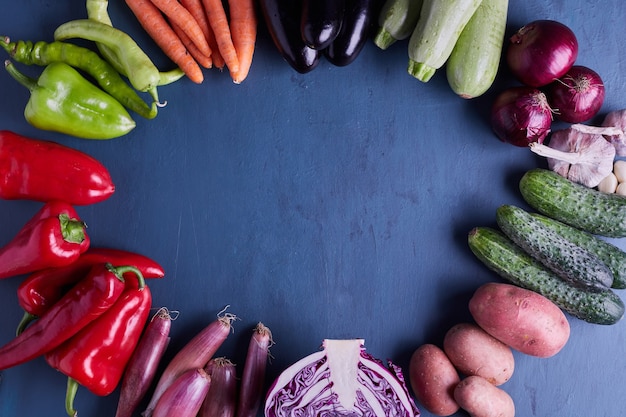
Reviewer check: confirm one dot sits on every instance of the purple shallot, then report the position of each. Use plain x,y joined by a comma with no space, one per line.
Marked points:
253,376
183,398
221,400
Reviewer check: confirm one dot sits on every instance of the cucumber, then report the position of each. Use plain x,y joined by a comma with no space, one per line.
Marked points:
576,205
611,255
509,261
566,259
437,30
396,21
473,64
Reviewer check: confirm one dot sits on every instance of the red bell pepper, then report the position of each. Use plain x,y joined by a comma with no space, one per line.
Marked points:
53,237
41,289
97,355
88,300
33,169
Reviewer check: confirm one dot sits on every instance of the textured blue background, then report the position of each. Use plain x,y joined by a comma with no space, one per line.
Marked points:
329,205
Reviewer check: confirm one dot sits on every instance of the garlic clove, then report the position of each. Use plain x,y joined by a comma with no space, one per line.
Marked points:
619,169
608,184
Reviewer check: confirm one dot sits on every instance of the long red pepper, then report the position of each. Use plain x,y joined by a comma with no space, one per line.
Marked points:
39,170
41,289
85,302
97,355
53,237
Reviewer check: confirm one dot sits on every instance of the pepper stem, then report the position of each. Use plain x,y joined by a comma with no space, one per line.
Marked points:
27,318
73,230
70,394
25,80
121,270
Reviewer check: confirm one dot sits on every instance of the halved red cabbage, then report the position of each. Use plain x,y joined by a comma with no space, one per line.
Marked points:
340,380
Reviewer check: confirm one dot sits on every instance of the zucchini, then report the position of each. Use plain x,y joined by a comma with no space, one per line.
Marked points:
396,21
473,64
437,30
508,260
566,259
611,255
582,207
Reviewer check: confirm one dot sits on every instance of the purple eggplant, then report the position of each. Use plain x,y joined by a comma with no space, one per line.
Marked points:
283,18
358,24
321,22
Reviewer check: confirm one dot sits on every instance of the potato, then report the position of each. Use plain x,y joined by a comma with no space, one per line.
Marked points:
523,319
433,379
473,351
480,398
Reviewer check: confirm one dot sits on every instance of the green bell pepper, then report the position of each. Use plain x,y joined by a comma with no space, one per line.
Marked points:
62,100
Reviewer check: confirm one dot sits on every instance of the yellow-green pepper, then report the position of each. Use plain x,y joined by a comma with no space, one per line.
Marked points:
62,100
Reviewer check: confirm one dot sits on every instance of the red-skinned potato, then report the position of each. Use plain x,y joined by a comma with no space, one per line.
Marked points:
433,379
480,398
522,319
473,351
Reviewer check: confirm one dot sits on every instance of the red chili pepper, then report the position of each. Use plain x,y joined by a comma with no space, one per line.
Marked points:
96,356
87,300
53,237
41,289
33,169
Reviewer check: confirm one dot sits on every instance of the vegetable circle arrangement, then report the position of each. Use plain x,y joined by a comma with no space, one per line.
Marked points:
89,313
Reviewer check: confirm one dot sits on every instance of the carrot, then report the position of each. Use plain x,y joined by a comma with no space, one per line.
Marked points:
243,27
179,14
218,59
195,52
196,8
219,23
153,22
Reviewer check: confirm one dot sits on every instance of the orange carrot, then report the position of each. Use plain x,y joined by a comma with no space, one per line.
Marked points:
203,60
219,23
196,8
243,27
179,14
153,22
218,59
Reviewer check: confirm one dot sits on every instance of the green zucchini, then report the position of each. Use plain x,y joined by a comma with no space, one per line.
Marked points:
508,260
396,21
437,30
473,64
566,259
611,255
582,207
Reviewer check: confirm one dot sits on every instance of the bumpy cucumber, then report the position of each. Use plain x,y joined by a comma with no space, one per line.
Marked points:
566,259
473,64
508,260
611,255
437,30
579,206
396,21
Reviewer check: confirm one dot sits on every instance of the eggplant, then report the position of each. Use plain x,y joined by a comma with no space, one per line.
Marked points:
283,18
321,22
357,26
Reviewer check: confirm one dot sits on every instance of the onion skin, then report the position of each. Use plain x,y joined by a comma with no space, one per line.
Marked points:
183,398
521,116
144,362
221,400
577,96
195,354
541,52
253,377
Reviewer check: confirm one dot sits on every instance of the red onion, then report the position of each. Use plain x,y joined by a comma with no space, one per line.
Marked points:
221,400
143,364
341,380
195,354
521,115
183,398
253,377
541,52
577,96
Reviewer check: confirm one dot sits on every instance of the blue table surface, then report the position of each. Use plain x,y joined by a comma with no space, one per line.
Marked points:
334,204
